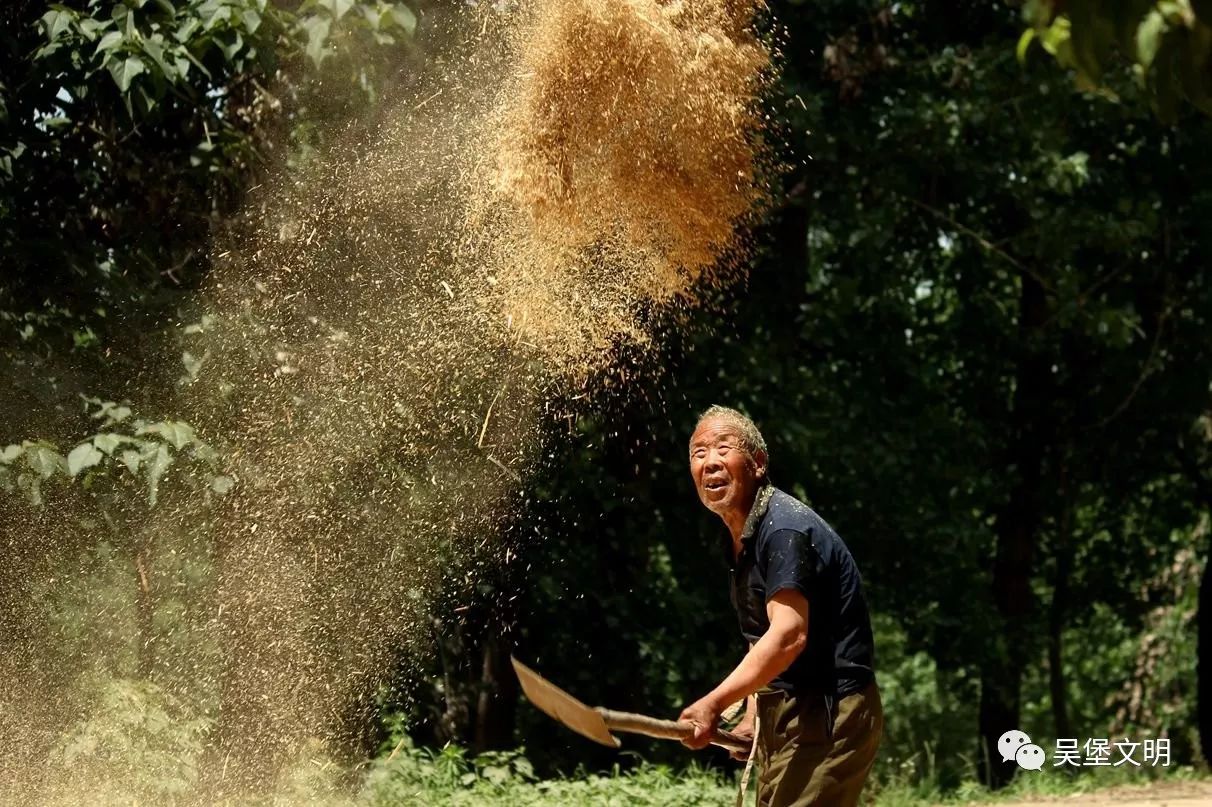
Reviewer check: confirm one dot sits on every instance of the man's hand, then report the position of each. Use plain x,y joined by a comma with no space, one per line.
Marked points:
705,715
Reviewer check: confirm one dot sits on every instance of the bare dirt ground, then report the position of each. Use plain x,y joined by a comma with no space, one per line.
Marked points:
1177,794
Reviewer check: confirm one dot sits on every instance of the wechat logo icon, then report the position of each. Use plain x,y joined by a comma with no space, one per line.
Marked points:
1016,746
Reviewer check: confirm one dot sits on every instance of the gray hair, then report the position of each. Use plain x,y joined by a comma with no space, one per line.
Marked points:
751,436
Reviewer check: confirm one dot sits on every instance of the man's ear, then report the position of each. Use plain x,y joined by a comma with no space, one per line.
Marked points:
760,459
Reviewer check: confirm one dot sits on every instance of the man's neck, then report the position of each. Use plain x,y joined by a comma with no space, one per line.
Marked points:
736,525
754,513
735,521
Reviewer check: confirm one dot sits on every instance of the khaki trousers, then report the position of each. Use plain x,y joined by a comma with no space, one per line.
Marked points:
801,762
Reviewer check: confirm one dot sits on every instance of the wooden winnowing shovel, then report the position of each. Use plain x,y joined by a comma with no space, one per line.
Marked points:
596,724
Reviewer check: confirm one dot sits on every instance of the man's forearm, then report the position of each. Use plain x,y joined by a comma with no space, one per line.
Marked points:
769,656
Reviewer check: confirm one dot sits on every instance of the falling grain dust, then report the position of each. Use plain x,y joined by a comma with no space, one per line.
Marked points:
376,357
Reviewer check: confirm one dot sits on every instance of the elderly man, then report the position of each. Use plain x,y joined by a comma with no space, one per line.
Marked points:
808,675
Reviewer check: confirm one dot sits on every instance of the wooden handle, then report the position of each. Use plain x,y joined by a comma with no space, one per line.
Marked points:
667,729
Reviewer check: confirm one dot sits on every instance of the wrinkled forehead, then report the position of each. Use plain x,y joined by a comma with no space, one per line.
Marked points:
713,431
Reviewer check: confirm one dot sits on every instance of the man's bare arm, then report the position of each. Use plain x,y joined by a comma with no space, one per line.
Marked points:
773,653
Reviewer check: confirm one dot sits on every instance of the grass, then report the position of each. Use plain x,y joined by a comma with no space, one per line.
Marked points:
451,778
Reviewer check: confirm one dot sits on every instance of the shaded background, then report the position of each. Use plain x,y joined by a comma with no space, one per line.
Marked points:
975,335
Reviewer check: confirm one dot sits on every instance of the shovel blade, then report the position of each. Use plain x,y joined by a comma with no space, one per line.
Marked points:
562,707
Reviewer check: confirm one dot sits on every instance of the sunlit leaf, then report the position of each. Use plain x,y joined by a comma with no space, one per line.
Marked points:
131,459
1148,38
56,21
83,456
108,42
44,461
160,461
317,38
175,432
109,443
404,17
124,72
1024,42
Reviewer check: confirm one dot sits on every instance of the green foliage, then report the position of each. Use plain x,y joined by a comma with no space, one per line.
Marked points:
137,744
127,452
928,714
1169,44
449,777
164,107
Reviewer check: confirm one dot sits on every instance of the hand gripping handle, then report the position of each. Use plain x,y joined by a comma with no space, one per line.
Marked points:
668,729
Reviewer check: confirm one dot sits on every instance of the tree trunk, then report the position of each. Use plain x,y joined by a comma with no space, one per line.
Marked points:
1016,531
1203,665
144,611
1056,617
497,704
1203,619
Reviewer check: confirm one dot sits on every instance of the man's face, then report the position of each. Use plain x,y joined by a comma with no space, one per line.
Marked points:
725,475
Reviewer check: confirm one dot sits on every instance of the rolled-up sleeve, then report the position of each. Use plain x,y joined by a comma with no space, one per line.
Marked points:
790,563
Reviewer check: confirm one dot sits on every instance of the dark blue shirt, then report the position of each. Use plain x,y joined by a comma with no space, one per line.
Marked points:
786,545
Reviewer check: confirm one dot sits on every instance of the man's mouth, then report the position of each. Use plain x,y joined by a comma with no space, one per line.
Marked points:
718,484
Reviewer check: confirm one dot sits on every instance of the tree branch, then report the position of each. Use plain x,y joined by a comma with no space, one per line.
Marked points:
983,241
1144,373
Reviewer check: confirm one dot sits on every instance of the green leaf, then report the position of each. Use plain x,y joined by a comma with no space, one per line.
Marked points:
47,50
1055,36
222,485
213,13
89,27
1024,42
131,459
175,432
153,46
124,72
1149,37
56,21
193,364
194,61
338,8
10,453
317,38
404,17
83,456
155,471
108,42
108,411
251,20
108,443
231,45
44,461
186,30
